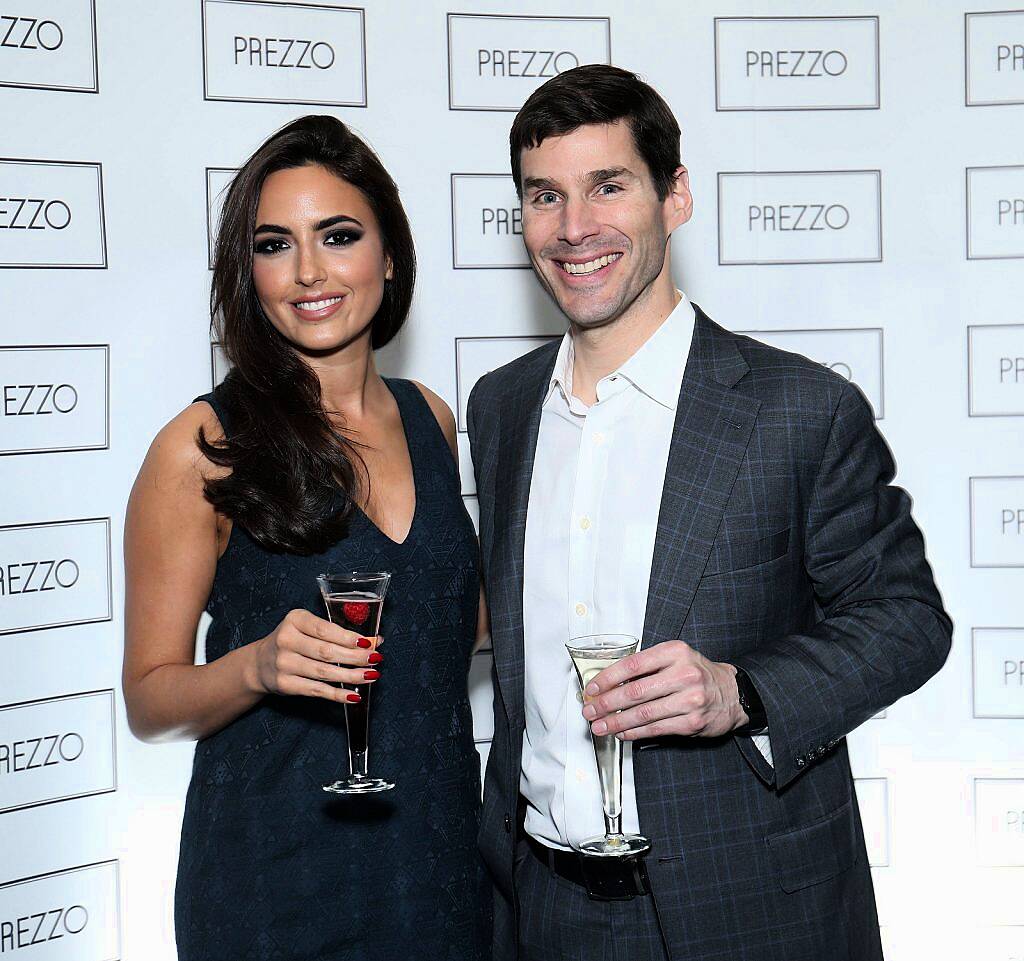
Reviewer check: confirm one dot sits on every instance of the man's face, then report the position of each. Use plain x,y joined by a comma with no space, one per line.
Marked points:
593,225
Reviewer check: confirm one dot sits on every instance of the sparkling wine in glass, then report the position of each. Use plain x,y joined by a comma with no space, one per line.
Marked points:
354,602
591,655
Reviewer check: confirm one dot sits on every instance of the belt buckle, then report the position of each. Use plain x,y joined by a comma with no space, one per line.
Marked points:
614,879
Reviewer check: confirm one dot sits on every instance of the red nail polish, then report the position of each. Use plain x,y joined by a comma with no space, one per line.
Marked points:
375,658
353,698
364,642
371,675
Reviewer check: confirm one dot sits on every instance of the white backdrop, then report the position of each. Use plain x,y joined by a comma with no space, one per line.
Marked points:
886,242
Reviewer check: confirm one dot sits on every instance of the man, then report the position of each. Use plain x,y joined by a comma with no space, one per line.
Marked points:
728,503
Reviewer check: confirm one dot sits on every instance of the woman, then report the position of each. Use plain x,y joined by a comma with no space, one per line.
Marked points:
306,461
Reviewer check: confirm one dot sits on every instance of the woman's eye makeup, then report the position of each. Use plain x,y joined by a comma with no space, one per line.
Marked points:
343,237
269,245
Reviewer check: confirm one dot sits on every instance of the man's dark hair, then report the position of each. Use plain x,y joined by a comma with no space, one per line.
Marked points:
598,93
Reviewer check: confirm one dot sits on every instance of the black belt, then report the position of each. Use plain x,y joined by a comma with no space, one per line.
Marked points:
605,879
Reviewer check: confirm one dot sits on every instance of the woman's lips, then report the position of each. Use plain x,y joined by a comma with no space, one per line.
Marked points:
319,309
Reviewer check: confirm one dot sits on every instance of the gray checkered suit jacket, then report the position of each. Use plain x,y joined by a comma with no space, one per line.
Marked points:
781,548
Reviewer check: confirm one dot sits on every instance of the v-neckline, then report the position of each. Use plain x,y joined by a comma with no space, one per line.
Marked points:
415,479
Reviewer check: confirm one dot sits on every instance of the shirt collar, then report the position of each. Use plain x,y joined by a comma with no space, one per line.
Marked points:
656,368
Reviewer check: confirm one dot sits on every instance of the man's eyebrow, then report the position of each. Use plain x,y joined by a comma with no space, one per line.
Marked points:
609,173
538,183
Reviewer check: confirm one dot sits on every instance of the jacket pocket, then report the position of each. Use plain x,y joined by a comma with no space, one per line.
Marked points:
816,852
734,553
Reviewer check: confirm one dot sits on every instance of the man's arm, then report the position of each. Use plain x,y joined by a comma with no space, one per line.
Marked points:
884,631
882,635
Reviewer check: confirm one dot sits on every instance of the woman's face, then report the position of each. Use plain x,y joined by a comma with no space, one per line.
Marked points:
318,263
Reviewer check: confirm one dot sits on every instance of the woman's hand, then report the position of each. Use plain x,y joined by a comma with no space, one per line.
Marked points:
302,656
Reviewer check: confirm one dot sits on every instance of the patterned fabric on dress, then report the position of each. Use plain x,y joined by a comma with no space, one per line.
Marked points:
271,867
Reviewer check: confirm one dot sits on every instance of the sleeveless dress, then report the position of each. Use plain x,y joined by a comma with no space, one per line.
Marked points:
272,867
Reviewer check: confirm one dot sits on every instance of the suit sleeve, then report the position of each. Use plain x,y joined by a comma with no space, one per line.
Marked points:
883,630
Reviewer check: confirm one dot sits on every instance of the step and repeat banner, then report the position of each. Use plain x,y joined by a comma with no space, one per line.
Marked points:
858,174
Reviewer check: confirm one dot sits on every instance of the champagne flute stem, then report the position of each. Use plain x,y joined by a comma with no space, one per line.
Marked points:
357,763
613,825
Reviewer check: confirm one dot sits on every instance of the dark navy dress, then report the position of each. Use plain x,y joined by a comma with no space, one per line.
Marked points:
271,867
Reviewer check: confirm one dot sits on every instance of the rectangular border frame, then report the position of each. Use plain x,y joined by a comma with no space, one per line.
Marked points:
84,867
970,367
790,263
967,60
510,16
455,264
63,88
103,219
113,746
974,814
290,3
877,105
210,226
458,379
971,481
106,374
974,677
888,818
967,173
110,580
836,330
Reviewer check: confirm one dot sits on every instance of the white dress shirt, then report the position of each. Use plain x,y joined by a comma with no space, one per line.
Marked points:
595,495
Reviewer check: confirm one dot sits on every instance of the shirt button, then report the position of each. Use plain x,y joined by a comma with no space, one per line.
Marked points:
585,523
581,776
599,438
581,609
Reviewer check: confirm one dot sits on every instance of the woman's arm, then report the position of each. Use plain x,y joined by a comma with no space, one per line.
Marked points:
171,552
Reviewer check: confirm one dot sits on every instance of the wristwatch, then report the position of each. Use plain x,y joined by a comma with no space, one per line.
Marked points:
750,701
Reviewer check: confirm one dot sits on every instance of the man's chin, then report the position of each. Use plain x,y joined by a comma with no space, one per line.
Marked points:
588,316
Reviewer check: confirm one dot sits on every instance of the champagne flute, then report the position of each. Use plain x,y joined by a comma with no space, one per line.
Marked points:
355,601
591,655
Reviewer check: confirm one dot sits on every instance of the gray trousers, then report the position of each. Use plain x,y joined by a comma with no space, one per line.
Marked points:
558,922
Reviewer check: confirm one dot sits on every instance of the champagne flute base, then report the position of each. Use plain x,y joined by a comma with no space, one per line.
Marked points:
359,785
615,846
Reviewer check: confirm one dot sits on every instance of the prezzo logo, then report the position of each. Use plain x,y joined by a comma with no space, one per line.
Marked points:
807,217
49,45
796,63
495,61
995,213
997,521
995,370
873,801
71,914
477,356
855,354
218,179
54,574
299,53
999,821
487,222
51,214
54,399
994,53
57,749
998,671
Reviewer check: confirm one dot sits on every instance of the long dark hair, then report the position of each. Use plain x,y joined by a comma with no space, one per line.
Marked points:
599,93
292,479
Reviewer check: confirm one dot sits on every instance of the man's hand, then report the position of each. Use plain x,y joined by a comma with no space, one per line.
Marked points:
666,689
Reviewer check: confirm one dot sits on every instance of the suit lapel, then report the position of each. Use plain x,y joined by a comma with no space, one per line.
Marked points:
709,440
511,502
